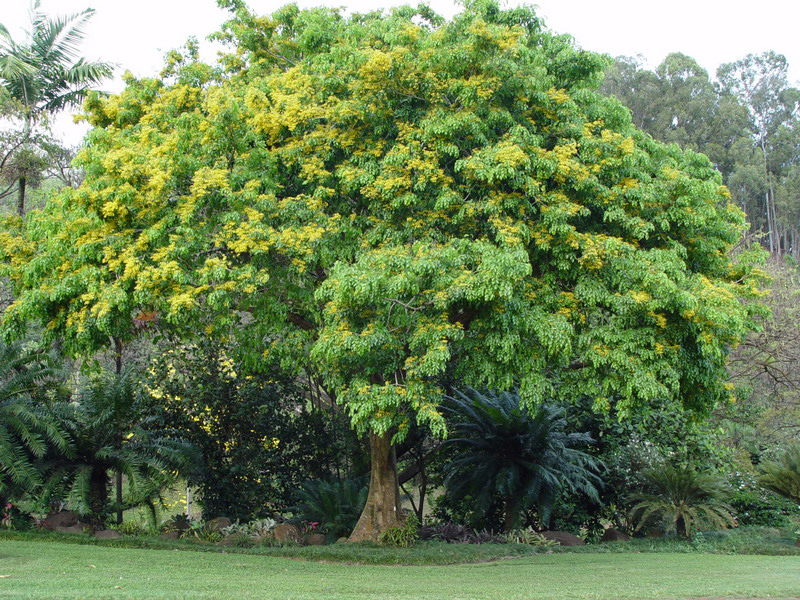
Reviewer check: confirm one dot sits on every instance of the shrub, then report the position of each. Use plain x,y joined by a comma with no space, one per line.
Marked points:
457,534
402,536
782,476
757,506
258,528
528,536
335,505
257,434
680,500
524,458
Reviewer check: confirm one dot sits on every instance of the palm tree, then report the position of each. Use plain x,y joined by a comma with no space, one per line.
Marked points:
44,74
682,499
524,458
782,476
25,431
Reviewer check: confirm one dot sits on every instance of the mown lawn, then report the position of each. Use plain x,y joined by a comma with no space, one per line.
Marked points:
57,570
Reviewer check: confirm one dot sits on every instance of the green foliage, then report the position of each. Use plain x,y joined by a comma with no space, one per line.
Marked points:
681,500
257,433
402,536
528,536
782,476
132,527
335,505
202,532
756,506
524,458
42,76
411,198
256,528
110,431
26,431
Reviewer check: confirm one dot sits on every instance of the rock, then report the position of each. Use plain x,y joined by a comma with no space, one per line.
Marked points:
563,538
284,532
64,518
77,528
315,539
614,535
236,539
170,535
178,525
218,524
107,534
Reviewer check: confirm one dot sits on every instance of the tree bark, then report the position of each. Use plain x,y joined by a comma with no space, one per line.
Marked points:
21,197
98,497
382,510
509,517
118,441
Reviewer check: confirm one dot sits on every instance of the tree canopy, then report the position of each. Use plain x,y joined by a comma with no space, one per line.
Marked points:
392,201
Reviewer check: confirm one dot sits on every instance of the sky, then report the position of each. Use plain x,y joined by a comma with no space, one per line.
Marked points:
136,34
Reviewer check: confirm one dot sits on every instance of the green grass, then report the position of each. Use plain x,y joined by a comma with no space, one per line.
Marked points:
59,570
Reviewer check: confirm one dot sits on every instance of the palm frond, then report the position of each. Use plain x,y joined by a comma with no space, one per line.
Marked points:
506,451
782,476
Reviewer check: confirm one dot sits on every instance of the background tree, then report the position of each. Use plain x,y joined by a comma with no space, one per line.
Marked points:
760,83
44,75
392,202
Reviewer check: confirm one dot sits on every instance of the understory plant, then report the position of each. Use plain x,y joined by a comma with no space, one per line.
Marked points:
680,500
334,505
524,457
403,535
453,533
257,528
528,536
782,476
26,431
110,432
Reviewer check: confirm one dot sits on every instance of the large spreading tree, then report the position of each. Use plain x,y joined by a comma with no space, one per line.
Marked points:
386,203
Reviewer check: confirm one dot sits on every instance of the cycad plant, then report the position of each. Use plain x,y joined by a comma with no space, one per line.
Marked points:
525,458
782,476
334,505
681,500
110,434
26,431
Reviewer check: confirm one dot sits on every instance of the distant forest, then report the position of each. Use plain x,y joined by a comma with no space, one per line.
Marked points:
746,120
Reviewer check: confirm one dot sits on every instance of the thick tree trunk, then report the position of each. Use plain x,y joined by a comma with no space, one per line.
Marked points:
98,497
510,515
21,197
382,510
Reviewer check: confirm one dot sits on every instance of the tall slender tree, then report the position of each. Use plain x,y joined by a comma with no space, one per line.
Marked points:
760,83
45,74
